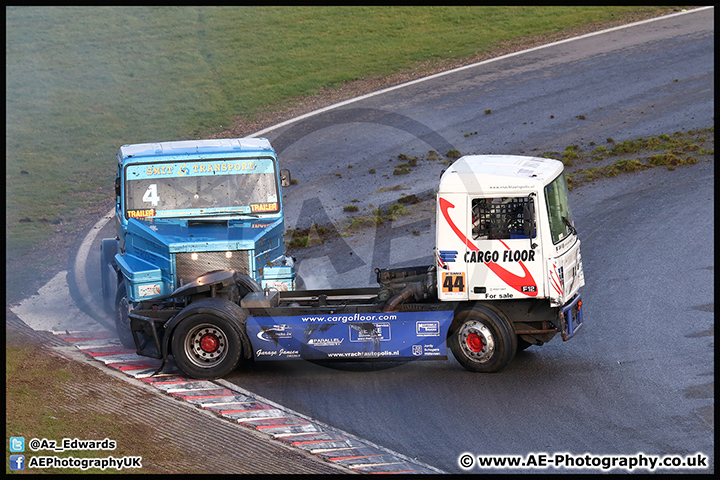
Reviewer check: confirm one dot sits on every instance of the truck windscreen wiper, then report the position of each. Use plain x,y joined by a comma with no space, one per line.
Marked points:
569,225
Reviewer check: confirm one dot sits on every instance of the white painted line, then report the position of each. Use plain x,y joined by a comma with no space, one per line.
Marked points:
54,310
465,67
81,259
117,358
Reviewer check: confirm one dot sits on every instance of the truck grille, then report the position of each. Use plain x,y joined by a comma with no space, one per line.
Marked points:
189,269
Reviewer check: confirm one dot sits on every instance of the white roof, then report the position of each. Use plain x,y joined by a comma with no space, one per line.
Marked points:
218,145
476,174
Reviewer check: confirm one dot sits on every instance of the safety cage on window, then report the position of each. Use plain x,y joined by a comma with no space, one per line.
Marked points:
502,218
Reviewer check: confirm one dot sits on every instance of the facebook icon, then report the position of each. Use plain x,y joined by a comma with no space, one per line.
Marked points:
17,462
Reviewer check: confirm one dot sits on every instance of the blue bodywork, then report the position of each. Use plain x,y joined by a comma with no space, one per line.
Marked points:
151,247
150,243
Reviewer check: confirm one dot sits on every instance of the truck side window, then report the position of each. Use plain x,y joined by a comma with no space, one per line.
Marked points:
498,218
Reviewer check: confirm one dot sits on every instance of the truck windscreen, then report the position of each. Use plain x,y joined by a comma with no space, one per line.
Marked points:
201,187
558,207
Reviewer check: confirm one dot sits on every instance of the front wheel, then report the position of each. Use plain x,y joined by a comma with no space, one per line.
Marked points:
482,340
206,345
122,321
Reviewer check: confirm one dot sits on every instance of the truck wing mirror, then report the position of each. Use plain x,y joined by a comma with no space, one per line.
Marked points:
285,177
117,186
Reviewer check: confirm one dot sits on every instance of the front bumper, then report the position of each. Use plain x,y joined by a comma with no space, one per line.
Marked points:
571,318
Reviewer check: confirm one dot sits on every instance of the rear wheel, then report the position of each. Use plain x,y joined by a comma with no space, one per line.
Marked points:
206,344
482,340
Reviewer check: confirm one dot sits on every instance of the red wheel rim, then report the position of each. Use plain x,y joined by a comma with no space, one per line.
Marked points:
475,342
209,343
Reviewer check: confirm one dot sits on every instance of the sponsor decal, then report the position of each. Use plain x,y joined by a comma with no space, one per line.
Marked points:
264,207
431,350
381,332
472,256
453,283
149,290
427,329
445,257
556,279
325,342
273,334
147,212
518,282
203,168
277,353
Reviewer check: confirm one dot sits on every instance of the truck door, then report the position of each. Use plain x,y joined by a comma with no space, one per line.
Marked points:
503,258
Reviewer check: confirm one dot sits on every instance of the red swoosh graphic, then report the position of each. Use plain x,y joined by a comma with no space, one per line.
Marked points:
555,280
515,281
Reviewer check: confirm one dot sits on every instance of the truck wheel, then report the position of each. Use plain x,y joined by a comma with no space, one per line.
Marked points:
122,321
482,340
205,344
108,249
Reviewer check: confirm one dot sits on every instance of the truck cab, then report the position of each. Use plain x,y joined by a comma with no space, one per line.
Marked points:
505,232
187,208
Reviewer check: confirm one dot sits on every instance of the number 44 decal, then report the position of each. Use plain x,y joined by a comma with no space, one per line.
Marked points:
453,282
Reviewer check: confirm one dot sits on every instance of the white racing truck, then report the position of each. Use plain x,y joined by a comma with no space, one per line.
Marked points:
506,276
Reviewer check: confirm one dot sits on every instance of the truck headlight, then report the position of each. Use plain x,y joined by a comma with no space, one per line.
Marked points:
194,255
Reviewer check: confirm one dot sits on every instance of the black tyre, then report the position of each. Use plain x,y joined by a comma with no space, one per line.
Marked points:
108,249
122,321
482,340
207,342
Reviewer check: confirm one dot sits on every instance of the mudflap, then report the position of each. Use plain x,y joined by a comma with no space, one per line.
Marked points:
144,332
571,318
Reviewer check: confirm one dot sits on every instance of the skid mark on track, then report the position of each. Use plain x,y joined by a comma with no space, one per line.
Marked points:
330,444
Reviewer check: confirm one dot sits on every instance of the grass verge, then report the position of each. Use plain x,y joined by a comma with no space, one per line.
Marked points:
38,386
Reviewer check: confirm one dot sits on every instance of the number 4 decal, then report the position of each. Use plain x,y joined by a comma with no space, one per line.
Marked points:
151,195
453,282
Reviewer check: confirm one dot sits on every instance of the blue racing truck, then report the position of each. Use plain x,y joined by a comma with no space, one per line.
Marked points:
188,208
506,275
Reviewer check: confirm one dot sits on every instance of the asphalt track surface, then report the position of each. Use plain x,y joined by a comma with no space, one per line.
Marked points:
639,376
